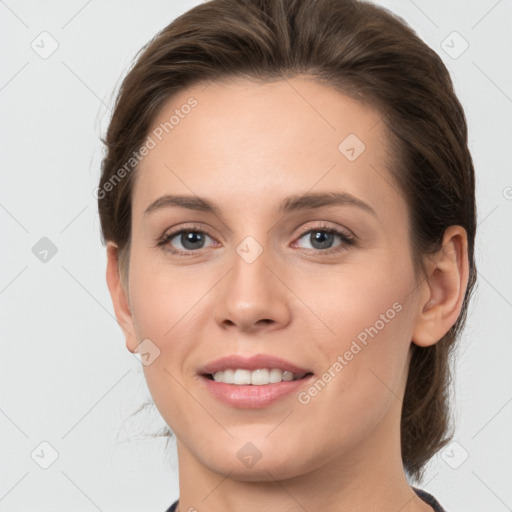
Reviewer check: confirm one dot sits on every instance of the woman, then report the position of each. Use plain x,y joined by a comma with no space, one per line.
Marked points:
288,205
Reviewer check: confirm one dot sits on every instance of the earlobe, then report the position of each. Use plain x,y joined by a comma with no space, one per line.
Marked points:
120,298
445,288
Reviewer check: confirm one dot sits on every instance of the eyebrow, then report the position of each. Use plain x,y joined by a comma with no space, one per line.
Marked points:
290,204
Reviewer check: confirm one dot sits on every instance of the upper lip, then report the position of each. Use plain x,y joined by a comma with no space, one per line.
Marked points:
251,363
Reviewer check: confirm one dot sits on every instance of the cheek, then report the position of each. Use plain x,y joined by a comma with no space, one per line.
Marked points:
160,306
167,304
366,363
164,298
365,330
361,301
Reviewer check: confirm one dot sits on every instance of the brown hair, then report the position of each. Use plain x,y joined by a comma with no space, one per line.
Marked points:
365,52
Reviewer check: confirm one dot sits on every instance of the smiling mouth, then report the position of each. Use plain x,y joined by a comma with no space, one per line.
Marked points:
260,377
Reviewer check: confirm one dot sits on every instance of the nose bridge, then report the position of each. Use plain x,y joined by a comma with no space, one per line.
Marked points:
250,266
252,296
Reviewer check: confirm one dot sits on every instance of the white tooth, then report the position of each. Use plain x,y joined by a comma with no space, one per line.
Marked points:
287,376
228,376
242,377
260,377
276,375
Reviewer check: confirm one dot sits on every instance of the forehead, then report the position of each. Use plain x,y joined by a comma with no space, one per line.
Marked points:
240,138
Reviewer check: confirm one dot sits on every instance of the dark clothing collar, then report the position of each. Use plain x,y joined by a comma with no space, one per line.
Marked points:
425,496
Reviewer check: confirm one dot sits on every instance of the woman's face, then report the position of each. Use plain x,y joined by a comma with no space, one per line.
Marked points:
258,272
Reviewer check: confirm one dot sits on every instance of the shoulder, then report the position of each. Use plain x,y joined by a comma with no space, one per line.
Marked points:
428,498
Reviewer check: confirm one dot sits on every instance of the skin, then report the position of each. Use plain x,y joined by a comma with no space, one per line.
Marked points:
245,147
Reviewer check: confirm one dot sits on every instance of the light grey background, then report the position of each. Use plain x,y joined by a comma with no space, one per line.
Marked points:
66,377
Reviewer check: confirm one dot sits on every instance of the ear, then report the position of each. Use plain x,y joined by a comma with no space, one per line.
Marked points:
120,297
444,288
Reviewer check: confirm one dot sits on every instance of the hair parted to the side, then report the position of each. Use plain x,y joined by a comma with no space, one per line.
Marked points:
365,52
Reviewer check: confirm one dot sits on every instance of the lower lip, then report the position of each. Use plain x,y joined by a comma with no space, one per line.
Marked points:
251,396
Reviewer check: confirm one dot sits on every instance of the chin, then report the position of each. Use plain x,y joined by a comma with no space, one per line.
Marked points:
261,471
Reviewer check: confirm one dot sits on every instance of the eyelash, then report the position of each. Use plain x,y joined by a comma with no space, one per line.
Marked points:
346,239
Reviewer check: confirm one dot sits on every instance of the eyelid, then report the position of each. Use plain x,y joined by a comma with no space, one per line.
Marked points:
348,239
324,225
170,233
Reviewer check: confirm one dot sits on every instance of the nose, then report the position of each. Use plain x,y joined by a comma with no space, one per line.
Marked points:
252,297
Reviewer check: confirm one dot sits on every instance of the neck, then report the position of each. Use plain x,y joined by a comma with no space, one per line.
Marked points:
369,477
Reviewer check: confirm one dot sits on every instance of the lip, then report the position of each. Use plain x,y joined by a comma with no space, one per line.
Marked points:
253,397
255,362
